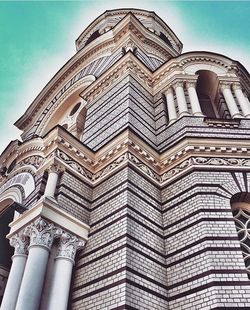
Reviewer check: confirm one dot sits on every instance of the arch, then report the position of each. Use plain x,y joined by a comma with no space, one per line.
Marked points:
211,102
59,111
7,215
240,204
23,180
192,62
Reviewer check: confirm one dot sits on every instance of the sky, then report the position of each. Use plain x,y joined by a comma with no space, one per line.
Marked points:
38,37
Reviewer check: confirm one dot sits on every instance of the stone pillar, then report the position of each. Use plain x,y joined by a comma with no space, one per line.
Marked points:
41,235
181,100
194,101
172,115
231,104
241,99
50,188
62,271
20,243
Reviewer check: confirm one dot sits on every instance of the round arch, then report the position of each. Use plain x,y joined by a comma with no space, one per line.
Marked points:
61,108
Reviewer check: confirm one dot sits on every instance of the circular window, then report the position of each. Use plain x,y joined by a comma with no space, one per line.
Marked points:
74,110
11,166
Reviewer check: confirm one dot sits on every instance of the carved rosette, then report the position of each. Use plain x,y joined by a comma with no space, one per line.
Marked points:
20,242
42,233
68,246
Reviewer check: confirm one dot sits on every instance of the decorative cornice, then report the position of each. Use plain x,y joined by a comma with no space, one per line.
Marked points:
205,161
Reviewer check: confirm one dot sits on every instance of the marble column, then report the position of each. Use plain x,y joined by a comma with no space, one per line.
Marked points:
231,103
41,234
20,243
241,99
53,174
181,100
62,271
194,101
172,115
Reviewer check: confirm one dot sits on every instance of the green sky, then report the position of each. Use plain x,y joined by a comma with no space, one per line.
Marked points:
37,38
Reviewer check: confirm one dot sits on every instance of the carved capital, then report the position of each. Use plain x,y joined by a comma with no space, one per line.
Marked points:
20,242
179,83
68,246
190,83
236,86
56,168
225,85
42,233
169,91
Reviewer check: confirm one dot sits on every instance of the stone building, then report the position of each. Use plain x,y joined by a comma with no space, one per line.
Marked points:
130,188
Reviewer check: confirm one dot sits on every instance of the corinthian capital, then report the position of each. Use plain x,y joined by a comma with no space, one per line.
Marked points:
20,242
225,85
236,86
56,168
68,246
190,83
178,83
42,233
169,91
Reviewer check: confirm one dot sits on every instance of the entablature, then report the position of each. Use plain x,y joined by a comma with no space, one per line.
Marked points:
61,148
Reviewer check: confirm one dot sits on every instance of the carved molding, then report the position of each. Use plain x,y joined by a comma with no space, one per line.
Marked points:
74,165
205,161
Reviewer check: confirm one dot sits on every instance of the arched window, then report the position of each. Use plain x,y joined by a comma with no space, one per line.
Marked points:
240,204
93,36
212,104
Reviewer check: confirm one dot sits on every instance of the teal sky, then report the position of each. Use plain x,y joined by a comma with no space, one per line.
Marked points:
38,37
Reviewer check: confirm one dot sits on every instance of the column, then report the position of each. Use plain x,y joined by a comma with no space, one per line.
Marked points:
181,100
171,105
42,234
61,277
231,104
194,101
20,243
50,188
241,99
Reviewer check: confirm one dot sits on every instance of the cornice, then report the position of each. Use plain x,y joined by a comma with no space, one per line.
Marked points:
104,18
127,148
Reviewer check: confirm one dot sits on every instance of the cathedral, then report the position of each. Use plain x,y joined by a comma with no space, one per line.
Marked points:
130,186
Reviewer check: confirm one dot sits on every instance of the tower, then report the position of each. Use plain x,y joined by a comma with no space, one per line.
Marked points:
130,188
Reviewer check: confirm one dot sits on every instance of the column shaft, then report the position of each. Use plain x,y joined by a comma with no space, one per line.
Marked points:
242,101
14,282
32,283
59,294
181,100
172,115
194,101
231,104
51,184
